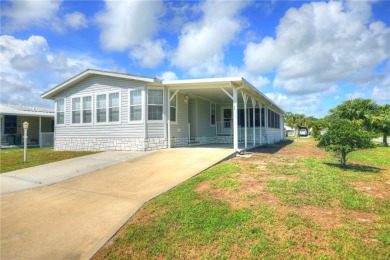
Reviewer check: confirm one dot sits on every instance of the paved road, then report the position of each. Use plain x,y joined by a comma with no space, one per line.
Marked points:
72,219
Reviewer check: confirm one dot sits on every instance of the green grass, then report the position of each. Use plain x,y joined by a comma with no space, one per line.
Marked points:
379,156
12,159
222,214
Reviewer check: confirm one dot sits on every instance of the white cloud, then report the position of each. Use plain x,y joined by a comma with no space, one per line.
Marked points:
319,44
309,104
29,67
203,41
20,15
125,24
76,20
23,14
149,54
168,75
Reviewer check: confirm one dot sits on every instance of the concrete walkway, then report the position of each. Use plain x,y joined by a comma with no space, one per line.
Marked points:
44,175
74,218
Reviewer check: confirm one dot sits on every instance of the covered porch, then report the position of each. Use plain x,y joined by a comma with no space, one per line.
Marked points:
40,131
227,111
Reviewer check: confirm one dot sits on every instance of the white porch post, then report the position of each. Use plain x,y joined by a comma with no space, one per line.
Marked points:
245,98
169,117
260,122
254,117
235,119
282,127
40,132
266,123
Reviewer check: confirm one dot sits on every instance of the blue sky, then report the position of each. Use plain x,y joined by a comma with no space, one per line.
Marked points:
307,56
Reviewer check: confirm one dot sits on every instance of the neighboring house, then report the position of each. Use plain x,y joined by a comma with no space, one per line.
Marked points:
289,130
40,130
98,110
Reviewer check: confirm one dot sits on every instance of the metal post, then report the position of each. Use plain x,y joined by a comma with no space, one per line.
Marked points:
235,121
25,127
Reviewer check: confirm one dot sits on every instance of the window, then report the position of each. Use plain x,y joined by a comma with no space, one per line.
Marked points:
87,109
10,124
173,109
212,114
60,111
113,107
155,104
101,108
273,119
136,105
107,107
76,107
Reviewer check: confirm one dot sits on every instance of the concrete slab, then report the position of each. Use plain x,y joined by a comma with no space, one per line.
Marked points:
74,218
51,173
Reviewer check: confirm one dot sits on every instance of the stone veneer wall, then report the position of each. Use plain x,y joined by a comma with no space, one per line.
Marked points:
109,144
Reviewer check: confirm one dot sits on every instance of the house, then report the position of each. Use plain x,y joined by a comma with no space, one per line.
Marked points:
41,125
99,110
289,130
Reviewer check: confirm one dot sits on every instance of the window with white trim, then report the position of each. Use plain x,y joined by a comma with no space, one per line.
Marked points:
101,108
113,107
155,104
87,110
173,106
107,107
60,111
135,105
76,110
213,110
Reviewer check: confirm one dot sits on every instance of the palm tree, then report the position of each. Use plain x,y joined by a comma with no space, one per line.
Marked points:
381,122
358,111
295,121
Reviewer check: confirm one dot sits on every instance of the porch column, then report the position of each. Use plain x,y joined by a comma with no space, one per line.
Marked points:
245,98
235,119
266,123
254,118
40,132
169,117
260,122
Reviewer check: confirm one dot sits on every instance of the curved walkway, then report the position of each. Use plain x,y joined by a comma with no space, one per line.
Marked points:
75,217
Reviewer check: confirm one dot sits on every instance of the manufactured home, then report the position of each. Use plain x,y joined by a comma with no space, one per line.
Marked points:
99,110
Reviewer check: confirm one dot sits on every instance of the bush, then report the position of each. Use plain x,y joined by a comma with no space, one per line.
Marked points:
344,137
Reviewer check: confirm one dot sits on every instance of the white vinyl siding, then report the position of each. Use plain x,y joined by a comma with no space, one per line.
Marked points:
135,102
180,128
60,111
155,104
97,85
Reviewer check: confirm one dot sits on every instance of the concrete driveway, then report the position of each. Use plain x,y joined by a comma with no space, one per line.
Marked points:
72,219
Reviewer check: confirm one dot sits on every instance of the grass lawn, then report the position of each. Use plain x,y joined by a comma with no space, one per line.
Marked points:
288,200
12,159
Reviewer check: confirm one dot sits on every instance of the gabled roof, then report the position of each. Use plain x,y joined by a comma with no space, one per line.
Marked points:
51,93
6,109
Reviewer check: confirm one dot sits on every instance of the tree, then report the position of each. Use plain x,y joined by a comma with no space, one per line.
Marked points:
295,121
358,111
317,126
381,122
343,137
